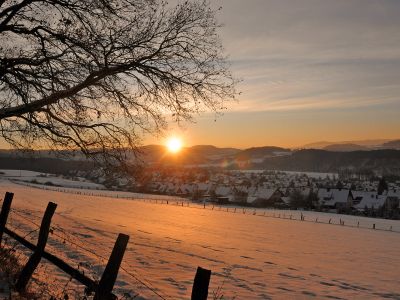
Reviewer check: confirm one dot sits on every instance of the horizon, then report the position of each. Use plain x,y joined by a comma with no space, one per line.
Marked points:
317,145
366,142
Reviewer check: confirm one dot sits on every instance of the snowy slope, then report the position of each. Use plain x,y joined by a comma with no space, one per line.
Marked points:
42,178
252,257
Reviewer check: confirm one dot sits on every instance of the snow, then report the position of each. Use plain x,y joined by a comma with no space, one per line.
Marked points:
315,175
369,199
330,197
102,193
28,176
251,256
223,190
264,193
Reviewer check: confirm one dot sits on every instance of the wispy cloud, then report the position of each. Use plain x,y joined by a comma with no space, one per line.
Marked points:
313,54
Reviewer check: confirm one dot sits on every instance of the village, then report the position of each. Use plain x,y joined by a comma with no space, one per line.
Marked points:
361,195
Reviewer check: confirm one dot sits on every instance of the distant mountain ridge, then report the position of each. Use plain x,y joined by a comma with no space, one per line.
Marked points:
346,147
314,160
392,145
364,145
331,159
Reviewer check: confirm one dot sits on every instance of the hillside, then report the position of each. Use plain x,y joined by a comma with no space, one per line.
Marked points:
392,145
346,147
269,157
354,145
383,161
260,152
45,165
249,249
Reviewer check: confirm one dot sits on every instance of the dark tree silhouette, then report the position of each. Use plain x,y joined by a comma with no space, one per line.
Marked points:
296,199
339,185
382,186
94,75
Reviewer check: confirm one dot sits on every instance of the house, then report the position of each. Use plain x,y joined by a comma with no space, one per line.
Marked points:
364,199
265,197
393,199
223,194
203,188
222,191
334,198
185,189
169,188
240,194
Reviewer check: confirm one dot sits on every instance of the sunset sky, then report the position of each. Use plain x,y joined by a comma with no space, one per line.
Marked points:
311,70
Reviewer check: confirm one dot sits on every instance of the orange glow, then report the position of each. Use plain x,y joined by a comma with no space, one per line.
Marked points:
174,145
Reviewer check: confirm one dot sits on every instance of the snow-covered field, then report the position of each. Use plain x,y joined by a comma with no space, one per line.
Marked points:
251,256
102,193
309,174
42,178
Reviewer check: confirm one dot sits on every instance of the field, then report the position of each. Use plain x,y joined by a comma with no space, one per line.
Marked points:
42,178
251,256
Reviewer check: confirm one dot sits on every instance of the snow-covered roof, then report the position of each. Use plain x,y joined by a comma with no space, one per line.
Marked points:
332,196
251,190
340,195
286,200
370,199
324,194
359,195
251,199
264,193
394,193
222,191
203,186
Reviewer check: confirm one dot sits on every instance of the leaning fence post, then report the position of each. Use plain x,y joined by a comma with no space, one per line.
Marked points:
5,209
200,284
35,258
110,273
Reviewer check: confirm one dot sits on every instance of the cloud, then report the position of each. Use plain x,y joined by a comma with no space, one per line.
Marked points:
313,54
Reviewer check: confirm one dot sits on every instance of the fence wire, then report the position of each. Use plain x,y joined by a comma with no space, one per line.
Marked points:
68,237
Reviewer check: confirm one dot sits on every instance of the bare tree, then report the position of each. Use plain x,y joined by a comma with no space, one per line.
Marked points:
93,75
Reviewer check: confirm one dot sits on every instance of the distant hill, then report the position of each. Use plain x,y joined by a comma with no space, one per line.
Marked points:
260,152
207,154
269,157
316,145
370,144
200,154
381,161
44,164
392,145
346,147
212,151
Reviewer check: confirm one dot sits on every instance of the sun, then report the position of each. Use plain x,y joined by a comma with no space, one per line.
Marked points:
174,145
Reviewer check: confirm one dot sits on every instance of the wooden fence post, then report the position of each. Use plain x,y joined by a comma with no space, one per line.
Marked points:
5,209
110,273
35,258
200,284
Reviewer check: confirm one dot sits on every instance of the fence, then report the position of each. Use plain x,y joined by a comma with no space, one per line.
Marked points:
101,193
291,215
103,290
327,218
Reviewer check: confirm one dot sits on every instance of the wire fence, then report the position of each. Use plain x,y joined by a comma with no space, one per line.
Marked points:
294,215
102,193
68,238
